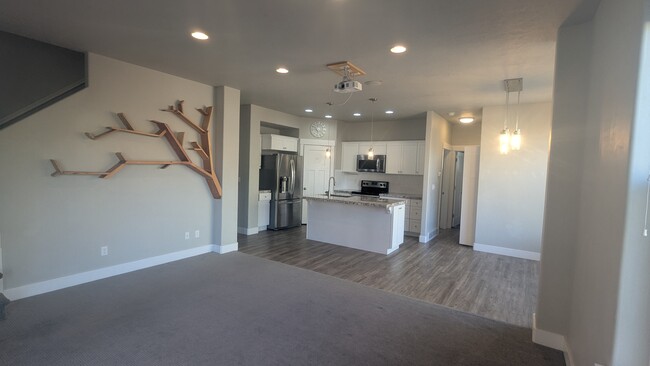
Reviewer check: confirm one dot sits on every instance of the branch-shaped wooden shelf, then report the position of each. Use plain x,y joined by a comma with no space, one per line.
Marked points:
175,141
127,128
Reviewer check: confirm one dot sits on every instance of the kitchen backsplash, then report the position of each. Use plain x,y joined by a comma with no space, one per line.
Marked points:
411,184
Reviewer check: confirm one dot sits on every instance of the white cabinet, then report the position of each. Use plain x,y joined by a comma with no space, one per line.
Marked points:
279,142
402,157
349,151
398,226
415,217
263,210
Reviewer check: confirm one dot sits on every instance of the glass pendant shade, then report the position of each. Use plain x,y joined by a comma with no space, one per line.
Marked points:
371,154
504,141
328,153
515,140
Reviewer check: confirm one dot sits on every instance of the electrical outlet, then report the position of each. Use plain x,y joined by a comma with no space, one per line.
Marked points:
104,251
187,235
196,233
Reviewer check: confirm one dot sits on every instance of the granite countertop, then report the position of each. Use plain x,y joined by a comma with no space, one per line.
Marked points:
402,195
359,200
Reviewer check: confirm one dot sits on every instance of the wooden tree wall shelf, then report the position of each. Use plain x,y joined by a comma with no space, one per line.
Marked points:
175,141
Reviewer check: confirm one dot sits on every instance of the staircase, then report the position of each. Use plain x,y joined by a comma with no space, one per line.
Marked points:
35,75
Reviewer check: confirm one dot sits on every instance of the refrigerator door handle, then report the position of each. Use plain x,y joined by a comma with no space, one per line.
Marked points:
293,176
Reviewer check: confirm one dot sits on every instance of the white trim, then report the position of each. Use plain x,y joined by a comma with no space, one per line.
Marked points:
427,238
226,248
552,340
97,274
248,231
546,338
507,251
318,142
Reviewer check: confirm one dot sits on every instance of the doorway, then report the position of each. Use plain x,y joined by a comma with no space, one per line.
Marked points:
317,168
452,189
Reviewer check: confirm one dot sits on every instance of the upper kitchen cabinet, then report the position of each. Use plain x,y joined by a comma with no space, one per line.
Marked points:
279,142
349,151
402,158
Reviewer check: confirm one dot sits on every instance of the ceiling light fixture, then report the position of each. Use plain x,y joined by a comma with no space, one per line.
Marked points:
328,116
398,49
466,119
507,141
282,70
309,110
200,35
389,112
357,114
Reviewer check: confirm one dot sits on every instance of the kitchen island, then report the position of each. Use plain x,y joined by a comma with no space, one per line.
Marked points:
361,222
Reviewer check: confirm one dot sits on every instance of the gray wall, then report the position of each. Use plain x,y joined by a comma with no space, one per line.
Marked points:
564,176
437,137
226,155
34,75
511,188
465,134
53,227
608,313
384,130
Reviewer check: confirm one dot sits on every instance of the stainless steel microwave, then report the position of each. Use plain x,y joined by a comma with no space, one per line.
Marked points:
376,165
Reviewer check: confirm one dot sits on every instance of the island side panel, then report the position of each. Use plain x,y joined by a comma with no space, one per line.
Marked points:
355,226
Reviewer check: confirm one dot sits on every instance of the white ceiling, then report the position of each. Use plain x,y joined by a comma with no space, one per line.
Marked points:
459,51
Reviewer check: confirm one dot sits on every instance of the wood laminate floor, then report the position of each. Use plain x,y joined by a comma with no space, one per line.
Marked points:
441,272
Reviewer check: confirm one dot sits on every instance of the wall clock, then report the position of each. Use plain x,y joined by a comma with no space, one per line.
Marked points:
318,129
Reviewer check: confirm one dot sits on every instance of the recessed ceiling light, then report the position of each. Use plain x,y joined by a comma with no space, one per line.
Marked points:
328,116
309,110
389,112
356,114
466,119
200,35
398,49
281,70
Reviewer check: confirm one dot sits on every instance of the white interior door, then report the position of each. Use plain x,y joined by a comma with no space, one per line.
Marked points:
316,173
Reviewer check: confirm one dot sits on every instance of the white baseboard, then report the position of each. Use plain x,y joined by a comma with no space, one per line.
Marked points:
428,237
552,340
507,251
248,230
226,248
77,279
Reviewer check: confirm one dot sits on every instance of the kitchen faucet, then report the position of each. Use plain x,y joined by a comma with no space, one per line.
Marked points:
329,189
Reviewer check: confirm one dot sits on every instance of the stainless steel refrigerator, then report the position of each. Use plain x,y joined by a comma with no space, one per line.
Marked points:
282,174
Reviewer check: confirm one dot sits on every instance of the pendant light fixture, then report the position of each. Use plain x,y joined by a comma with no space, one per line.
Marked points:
504,136
328,151
515,140
507,141
371,153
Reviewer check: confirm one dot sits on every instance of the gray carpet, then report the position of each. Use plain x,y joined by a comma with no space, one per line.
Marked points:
237,309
